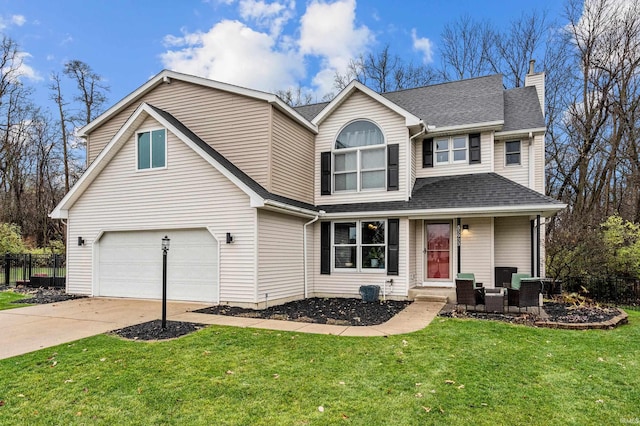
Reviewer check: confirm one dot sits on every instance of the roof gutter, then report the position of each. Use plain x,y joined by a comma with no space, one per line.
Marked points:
288,209
458,212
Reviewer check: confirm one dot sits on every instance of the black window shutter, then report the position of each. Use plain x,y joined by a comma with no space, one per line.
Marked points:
393,246
474,148
427,152
393,160
325,173
325,248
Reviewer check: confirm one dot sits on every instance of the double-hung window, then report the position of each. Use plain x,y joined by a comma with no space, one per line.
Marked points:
152,149
512,152
360,245
359,158
451,150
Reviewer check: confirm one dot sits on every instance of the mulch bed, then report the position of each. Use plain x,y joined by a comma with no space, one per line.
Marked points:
337,311
153,330
41,295
557,316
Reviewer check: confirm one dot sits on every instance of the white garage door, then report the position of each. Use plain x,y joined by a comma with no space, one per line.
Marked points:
130,265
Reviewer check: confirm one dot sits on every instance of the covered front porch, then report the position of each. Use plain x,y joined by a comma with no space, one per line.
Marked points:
487,246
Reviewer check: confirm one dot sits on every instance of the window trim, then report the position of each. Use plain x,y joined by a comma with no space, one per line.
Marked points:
451,150
166,144
506,154
359,246
359,170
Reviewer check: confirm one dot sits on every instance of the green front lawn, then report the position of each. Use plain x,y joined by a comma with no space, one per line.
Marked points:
6,297
454,372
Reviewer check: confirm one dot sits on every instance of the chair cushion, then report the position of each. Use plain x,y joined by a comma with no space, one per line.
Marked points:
515,280
467,276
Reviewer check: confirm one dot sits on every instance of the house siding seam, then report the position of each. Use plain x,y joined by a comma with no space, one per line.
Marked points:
122,198
280,259
236,126
360,106
292,159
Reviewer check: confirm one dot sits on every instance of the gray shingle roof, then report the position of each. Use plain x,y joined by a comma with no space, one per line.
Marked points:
457,103
311,110
522,109
476,100
478,190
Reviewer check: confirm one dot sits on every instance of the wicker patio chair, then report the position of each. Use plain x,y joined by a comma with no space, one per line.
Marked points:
468,294
527,293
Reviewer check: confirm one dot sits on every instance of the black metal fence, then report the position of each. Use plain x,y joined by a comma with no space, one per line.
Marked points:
611,290
33,270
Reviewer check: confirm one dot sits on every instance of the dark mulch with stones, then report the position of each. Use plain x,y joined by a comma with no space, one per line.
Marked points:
566,313
41,295
337,311
152,330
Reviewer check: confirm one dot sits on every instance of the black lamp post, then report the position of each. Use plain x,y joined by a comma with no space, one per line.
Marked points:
165,248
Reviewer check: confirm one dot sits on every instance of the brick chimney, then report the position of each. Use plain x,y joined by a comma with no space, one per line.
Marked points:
536,80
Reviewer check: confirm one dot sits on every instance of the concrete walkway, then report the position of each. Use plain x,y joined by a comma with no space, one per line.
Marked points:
29,329
414,317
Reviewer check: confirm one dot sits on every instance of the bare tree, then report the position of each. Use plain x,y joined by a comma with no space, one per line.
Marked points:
92,89
467,47
295,96
384,71
63,123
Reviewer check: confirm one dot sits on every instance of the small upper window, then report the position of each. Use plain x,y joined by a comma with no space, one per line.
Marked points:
152,148
512,152
359,160
451,150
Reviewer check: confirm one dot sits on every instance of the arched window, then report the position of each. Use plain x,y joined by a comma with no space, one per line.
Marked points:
359,158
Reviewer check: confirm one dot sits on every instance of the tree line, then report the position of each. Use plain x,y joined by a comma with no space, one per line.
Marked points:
40,157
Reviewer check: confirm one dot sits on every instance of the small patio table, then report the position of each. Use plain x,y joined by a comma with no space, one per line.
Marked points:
494,299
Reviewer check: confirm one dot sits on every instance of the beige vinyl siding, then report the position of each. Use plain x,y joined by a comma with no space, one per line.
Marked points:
518,173
189,193
485,166
236,126
360,106
348,283
292,165
280,259
413,161
477,250
539,162
513,242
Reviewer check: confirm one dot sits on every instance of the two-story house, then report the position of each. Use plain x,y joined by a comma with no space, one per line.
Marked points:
265,203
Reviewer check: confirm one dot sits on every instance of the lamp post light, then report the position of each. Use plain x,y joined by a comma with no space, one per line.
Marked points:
165,248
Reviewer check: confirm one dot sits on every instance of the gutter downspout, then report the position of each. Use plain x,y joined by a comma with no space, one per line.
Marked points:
412,160
304,251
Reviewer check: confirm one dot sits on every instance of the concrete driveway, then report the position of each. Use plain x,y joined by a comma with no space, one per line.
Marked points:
41,326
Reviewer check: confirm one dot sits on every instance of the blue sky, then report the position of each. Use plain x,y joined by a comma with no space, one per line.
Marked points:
262,44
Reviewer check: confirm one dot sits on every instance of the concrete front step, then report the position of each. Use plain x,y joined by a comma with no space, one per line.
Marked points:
432,294
430,298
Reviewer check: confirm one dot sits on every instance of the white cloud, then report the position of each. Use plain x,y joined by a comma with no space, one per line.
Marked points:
18,20
424,45
234,53
272,15
21,69
329,30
